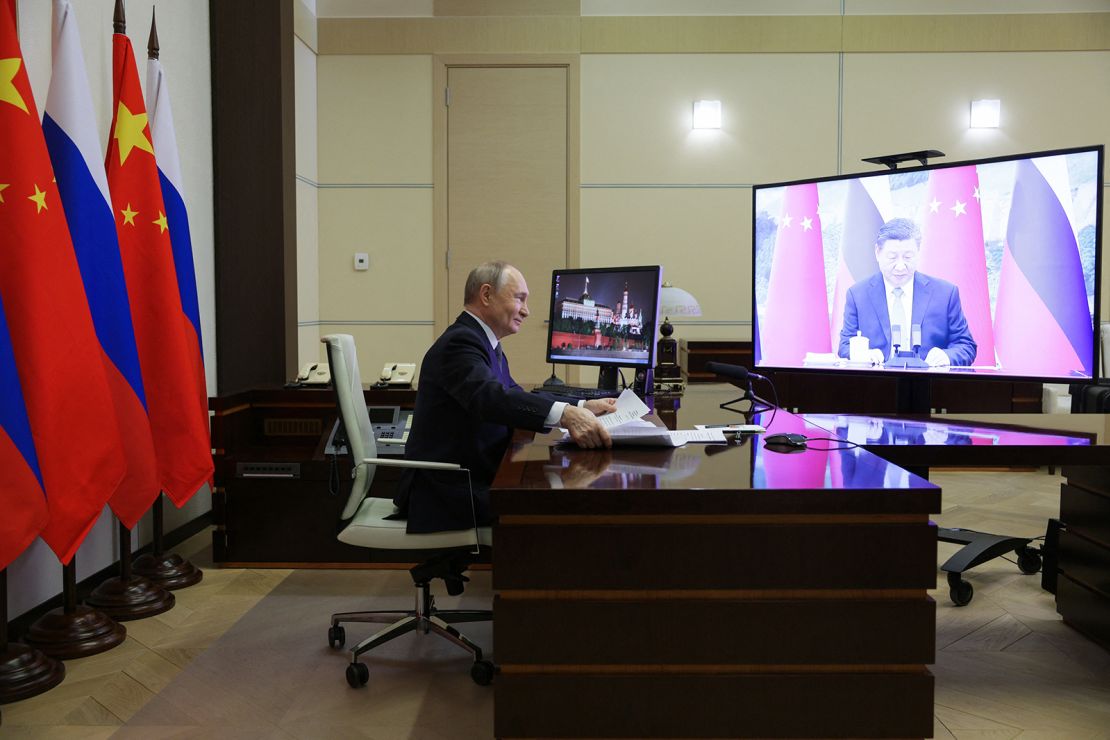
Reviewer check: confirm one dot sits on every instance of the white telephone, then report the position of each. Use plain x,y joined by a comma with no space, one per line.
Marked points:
315,373
397,373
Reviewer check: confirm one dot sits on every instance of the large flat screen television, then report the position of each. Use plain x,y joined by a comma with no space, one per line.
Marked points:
980,268
605,317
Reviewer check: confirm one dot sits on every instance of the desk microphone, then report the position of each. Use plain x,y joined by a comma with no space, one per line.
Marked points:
738,373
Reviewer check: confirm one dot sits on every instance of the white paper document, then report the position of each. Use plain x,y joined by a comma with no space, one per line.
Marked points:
626,428
732,428
629,408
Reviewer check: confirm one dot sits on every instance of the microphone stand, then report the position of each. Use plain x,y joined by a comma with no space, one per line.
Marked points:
757,404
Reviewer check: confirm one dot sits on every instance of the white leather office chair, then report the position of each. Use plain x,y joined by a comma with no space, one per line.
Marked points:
367,524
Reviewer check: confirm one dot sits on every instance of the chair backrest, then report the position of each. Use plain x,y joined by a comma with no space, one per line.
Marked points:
352,410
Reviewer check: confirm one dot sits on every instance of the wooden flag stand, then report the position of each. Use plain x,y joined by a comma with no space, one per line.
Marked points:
74,630
129,596
24,671
169,571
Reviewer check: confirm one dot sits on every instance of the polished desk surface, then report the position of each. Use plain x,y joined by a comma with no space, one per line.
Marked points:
543,475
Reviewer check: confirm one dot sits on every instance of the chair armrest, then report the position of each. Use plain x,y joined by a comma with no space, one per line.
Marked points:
395,462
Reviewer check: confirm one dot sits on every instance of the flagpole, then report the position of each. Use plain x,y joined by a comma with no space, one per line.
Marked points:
24,671
129,596
170,571
74,630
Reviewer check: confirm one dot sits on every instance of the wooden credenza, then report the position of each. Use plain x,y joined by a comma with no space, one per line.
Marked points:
272,505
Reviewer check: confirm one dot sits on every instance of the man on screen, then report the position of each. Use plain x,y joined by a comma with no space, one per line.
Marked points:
886,305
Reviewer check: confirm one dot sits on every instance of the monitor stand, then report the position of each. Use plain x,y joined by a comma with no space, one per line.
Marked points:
607,378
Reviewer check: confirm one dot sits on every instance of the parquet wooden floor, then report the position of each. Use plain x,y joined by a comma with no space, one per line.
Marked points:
1006,667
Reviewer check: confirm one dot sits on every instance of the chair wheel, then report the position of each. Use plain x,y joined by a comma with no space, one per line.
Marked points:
959,590
482,672
357,675
1029,560
337,636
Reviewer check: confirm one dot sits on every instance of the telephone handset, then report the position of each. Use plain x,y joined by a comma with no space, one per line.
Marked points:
315,373
397,373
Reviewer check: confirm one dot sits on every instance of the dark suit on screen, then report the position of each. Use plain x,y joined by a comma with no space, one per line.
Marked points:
467,406
936,307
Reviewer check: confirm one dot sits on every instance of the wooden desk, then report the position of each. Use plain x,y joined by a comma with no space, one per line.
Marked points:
712,591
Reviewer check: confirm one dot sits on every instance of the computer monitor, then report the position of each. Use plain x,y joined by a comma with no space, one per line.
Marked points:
1000,258
605,317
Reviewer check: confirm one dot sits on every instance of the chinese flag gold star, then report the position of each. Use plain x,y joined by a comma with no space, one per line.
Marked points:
129,133
8,93
3,187
160,222
39,199
129,215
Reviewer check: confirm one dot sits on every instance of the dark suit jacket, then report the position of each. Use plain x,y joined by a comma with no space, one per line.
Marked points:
463,415
936,306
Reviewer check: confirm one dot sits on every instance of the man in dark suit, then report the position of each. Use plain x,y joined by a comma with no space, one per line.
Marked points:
467,406
899,297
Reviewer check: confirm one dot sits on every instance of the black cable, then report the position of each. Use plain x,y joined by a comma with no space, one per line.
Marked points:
845,444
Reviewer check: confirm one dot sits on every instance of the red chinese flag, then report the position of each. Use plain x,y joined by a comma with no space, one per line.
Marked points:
56,353
177,422
796,320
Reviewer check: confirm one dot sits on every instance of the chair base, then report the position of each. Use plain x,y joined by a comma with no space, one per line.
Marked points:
424,617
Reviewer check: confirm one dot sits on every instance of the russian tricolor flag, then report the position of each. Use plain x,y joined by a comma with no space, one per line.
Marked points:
70,127
862,222
164,138
1043,323
22,498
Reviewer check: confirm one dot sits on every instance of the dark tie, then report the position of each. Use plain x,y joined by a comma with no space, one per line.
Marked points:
499,365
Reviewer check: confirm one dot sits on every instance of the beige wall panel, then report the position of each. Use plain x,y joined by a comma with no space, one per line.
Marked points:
710,7
506,7
304,97
905,102
373,8
701,237
394,226
779,118
375,119
459,35
670,34
309,348
923,7
308,264
378,345
304,23
1047,32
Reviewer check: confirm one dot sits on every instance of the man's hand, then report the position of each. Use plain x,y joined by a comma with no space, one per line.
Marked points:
601,406
877,357
584,428
937,357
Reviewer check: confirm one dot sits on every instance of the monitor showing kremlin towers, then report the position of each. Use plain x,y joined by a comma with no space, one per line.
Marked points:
604,316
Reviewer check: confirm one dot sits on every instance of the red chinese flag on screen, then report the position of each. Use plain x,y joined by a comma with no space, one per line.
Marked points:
177,422
796,319
59,360
952,248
